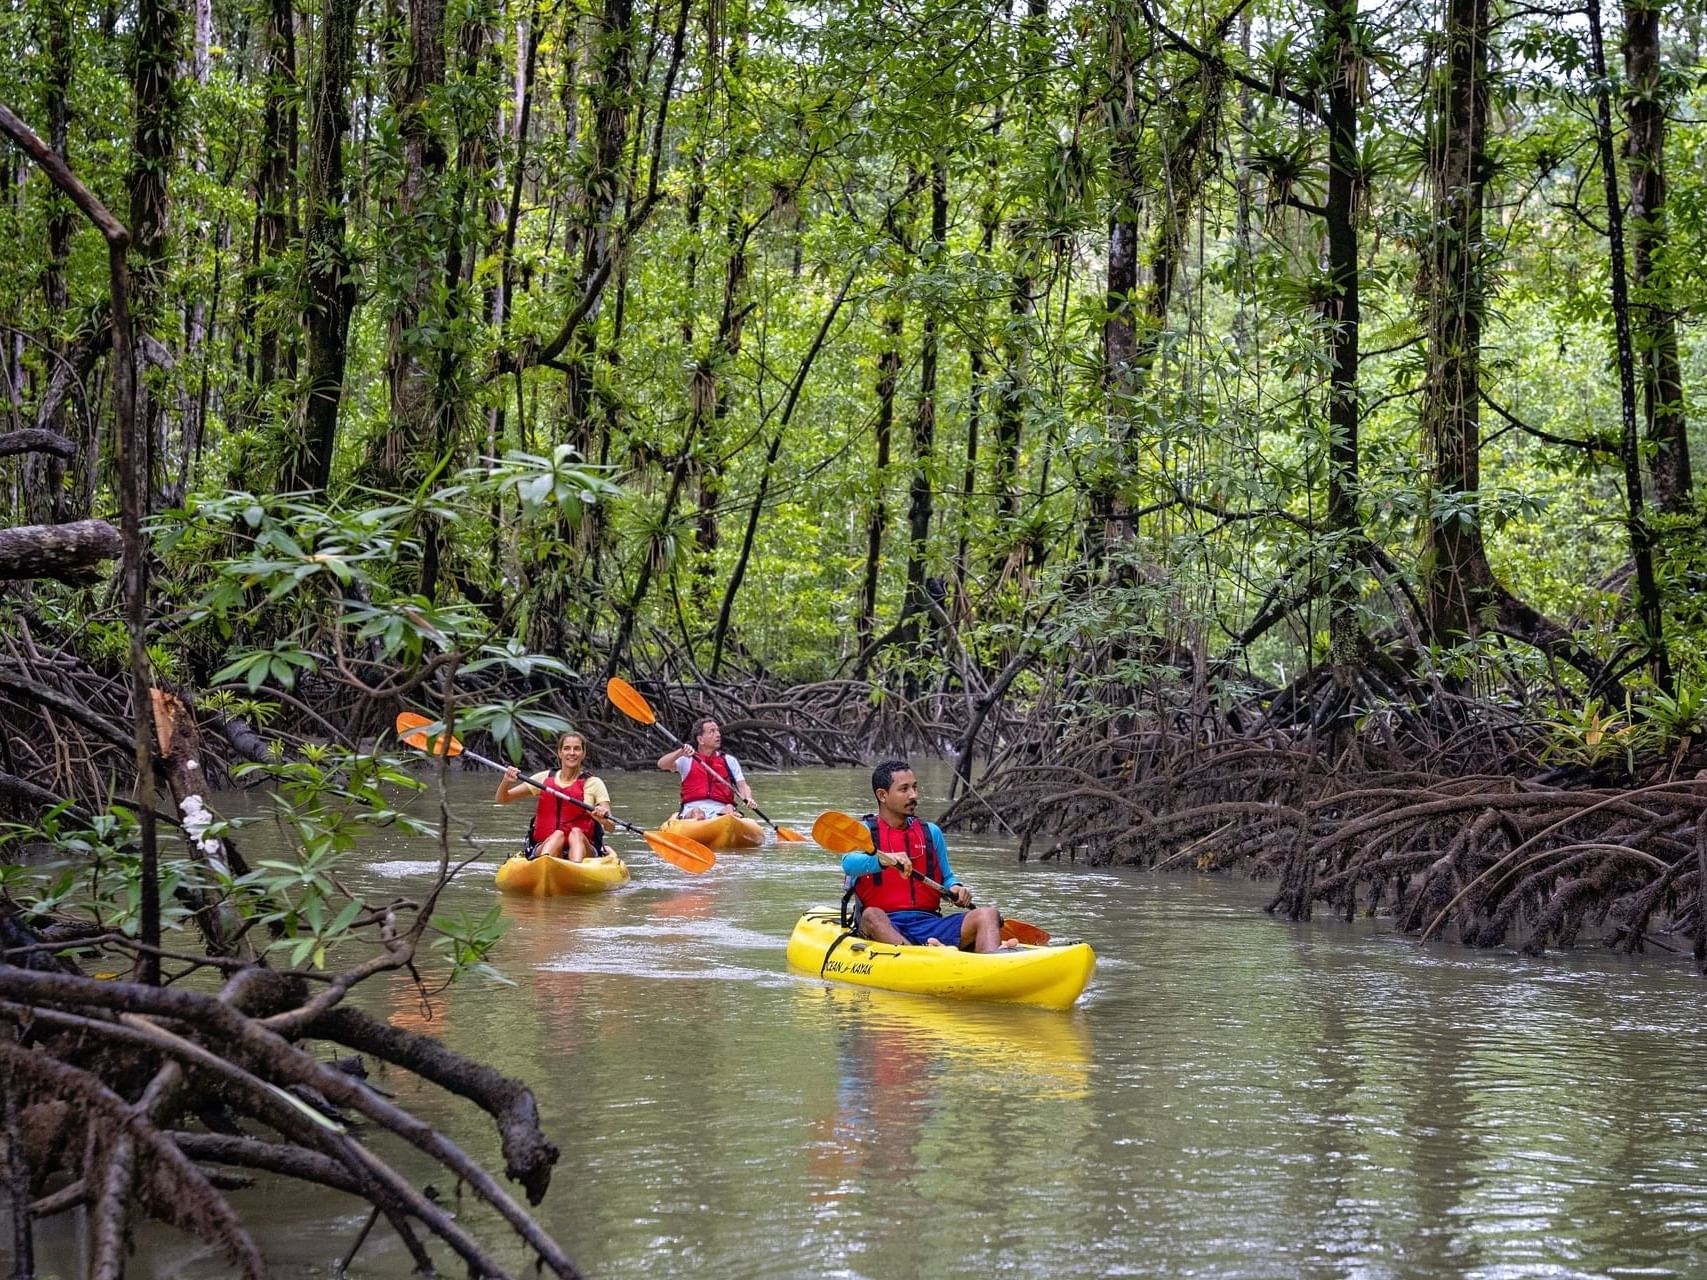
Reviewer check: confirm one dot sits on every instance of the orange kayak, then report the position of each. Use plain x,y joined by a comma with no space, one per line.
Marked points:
726,831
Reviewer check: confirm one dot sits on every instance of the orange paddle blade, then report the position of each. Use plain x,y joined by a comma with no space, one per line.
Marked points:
790,835
627,700
1020,931
679,851
840,833
413,728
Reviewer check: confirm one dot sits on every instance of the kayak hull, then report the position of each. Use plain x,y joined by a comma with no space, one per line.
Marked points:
1052,976
550,877
726,832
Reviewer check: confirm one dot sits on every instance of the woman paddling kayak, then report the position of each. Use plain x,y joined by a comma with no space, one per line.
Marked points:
561,828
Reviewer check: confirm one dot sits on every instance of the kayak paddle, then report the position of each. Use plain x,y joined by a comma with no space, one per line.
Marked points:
842,833
678,851
629,700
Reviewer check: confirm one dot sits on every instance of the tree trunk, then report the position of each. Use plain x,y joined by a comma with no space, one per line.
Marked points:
610,100
65,552
1119,330
420,222
888,373
924,429
1017,341
1648,616
1462,594
1137,310
711,388
132,487
1456,570
45,495
1340,47
1653,319
155,86
272,199
331,287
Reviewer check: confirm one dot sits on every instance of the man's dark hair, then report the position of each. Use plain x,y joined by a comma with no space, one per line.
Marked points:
884,774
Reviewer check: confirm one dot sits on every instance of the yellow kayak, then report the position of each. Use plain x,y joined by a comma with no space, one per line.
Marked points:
548,877
726,831
1050,976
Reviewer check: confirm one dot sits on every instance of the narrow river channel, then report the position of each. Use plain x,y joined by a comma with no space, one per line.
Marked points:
1232,1097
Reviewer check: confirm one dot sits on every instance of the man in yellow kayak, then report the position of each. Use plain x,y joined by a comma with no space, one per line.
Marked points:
560,827
711,778
896,906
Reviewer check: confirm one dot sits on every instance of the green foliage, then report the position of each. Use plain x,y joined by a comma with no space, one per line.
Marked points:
1591,736
502,484
467,940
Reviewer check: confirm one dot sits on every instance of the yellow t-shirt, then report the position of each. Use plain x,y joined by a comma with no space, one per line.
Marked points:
595,792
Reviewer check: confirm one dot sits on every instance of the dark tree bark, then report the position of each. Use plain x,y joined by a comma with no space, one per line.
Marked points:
416,70
1653,317
274,357
1462,595
1013,385
1344,58
915,605
36,440
611,101
1141,274
65,552
133,488
154,82
46,498
331,286
1457,575
711,392
1648,615
888,373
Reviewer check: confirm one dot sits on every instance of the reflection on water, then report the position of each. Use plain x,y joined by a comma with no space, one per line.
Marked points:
965,1044
1233,1097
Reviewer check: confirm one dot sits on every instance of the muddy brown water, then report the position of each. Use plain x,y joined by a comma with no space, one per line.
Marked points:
1232,1097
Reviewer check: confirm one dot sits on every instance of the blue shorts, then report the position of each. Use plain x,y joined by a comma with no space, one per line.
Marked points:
919,927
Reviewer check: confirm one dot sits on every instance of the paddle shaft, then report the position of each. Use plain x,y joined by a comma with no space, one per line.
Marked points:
1029,930
559,792
922,878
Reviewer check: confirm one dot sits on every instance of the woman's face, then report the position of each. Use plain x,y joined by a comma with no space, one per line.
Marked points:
571,752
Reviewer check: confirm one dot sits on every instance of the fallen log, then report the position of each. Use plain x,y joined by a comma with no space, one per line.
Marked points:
70,553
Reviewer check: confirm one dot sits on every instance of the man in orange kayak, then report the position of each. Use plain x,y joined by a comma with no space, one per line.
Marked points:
896,906
560,827
711,778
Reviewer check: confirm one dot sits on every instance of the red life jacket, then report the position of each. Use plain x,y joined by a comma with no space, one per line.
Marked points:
710,781
888,889
554,813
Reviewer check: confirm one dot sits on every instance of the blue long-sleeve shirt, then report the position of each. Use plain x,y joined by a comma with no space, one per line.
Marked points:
855,865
